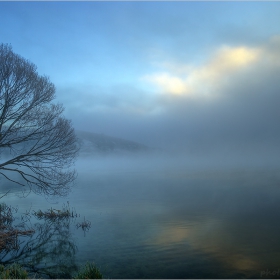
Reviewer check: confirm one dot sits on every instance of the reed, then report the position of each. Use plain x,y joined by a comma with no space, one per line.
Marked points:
13,271
56,214
89,271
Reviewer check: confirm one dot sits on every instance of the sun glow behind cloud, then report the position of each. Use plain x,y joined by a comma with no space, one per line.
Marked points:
206,78
167,82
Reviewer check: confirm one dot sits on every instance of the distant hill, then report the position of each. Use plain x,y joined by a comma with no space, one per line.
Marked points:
94,143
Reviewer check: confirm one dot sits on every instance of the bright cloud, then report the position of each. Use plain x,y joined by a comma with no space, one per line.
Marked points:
202,79
233,58
168,83
226,61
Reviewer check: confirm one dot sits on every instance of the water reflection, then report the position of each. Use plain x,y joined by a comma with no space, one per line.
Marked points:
169,222
183,224
49,253
233,222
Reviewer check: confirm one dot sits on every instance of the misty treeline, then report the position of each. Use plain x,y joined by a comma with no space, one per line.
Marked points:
37,144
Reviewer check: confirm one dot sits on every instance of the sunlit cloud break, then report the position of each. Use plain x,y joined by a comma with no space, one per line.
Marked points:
167,82
204,79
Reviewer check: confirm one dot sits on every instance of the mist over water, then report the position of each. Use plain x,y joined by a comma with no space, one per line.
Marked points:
175,158
169,215
178,122
172,216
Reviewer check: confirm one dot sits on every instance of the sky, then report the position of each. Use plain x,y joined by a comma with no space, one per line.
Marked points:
192,76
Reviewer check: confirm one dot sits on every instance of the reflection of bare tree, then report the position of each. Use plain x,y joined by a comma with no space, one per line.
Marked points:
9,234
50,252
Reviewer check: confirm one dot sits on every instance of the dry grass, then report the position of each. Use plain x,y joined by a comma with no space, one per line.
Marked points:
54,214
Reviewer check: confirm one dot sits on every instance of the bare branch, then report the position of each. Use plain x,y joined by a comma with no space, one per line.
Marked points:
36,141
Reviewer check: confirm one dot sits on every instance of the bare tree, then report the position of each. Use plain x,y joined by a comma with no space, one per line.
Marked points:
37,144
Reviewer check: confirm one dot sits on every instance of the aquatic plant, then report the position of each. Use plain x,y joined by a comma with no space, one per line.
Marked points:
89,271
54,214
85,225
13,271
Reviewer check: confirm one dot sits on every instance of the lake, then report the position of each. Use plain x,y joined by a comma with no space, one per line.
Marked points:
169,219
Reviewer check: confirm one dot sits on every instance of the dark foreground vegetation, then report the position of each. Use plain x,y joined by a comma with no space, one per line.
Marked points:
16,271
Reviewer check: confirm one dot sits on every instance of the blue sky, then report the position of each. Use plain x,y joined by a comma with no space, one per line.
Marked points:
158,72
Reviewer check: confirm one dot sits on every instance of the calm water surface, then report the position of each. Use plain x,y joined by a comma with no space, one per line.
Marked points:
170,221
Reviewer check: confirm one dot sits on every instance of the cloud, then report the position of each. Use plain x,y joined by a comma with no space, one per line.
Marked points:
117,98
227,61
229,100
204,78
227,104
167,82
